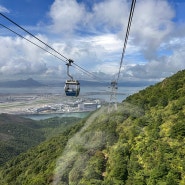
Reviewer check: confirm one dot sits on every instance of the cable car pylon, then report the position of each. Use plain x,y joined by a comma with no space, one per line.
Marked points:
114,87
113,96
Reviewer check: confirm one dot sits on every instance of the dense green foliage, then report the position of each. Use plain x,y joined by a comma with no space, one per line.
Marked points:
37,164
18,134
170,89
140,143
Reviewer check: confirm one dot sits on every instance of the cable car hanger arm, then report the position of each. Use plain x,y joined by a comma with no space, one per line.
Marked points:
69,64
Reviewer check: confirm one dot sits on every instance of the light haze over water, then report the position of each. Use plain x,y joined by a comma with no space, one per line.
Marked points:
100,92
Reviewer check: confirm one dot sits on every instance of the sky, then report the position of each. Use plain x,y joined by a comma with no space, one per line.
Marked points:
92,33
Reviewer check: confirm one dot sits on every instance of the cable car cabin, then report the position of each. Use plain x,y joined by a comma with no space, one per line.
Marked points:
72,88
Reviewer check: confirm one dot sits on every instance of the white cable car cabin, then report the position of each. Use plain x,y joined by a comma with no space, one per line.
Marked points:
72,88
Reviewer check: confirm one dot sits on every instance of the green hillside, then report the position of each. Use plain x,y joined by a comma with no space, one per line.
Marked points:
18,134
142,143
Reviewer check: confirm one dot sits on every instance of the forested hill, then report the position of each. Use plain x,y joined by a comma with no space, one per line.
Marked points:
18,134
170,89
140,143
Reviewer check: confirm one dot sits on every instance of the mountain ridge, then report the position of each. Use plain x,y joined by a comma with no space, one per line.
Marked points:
21,83
30,82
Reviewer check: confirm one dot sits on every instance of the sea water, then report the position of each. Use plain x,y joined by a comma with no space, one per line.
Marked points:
100,92
60,115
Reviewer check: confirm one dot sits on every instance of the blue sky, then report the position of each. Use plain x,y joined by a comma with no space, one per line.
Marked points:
27,11
92,32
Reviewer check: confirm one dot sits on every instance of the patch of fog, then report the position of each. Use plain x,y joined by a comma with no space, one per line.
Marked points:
71,165
71,160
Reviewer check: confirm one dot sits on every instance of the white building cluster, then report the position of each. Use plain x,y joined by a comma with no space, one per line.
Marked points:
77,106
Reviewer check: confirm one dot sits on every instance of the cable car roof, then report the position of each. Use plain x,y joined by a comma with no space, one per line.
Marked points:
73,82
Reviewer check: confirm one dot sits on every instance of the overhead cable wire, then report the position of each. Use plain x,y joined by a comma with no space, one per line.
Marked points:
126,36
77,66
32,35
87,72
31,42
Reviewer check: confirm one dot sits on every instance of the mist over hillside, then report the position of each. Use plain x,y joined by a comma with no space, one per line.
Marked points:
142,142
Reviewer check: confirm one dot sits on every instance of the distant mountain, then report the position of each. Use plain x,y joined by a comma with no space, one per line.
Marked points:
21,83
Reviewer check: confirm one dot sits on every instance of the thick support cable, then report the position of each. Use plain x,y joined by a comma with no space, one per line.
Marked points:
114,83
126,36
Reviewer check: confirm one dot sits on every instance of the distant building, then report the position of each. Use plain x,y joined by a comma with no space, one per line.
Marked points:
87,106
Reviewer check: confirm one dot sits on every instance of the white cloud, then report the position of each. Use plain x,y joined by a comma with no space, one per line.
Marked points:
109,42
3,9
150,28
161,68
109,69
19,57
152,25
66,15
110,14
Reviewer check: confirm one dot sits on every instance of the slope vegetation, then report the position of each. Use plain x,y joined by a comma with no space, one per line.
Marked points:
18,134
140,143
